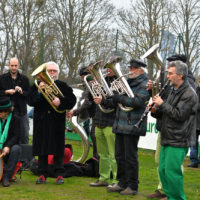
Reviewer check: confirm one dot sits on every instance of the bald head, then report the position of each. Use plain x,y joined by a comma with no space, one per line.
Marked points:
14,65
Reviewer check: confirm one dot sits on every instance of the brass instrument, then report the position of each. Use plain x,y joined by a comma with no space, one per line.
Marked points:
120,85
49,92
50,89
81,132
153,55
98,86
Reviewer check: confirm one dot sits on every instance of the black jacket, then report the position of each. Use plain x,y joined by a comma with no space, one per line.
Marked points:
19,100
179,117
124,121
13,132
49,125
198,108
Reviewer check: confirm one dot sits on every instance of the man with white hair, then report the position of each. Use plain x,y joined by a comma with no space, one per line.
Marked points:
49,125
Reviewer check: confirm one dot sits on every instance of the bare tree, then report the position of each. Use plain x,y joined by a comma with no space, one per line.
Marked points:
187,23
77,25
142,27
6,25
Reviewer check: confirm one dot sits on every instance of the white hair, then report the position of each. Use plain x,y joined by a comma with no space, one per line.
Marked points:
55,64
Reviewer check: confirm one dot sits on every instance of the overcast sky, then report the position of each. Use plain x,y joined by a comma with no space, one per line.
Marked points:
121,3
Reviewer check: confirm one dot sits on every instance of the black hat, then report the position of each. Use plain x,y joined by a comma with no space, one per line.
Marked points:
5,102
136,63
83,71
176,57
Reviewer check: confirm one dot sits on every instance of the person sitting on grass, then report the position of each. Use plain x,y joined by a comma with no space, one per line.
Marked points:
9,138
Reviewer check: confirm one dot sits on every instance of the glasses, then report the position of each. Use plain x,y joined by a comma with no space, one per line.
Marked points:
13,65
52,70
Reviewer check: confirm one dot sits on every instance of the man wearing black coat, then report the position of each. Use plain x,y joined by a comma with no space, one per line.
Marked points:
17,87
49,125
178,114
127,135
9,138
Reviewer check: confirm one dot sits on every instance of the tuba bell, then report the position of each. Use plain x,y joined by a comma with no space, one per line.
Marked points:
153,55
50,88
119,85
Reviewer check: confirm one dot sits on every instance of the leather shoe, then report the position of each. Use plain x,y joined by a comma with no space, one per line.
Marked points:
193,165
128,191
156,195
98,183
5,182
114,188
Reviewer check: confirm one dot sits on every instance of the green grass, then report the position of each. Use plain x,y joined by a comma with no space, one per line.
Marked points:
76,188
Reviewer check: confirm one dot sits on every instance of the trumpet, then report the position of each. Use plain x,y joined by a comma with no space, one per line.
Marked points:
50,88
120,85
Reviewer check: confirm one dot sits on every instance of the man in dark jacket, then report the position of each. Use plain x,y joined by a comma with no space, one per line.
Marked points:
127,135
86,109
159,191
17,87
178,129
195,159
49,125
9,138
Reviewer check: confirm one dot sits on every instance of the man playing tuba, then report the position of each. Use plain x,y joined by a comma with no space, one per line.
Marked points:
49,125
127,135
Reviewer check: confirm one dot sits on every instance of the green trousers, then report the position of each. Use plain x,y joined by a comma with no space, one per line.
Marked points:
171,173
105,140
157,157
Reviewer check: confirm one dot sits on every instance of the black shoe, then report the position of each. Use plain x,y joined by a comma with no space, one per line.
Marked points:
41,179
5,182
60,180
193,165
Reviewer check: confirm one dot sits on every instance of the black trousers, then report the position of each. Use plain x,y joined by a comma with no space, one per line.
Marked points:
127,160
58,165
11,160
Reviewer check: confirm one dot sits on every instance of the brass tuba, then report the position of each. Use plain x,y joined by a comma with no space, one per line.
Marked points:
50,89
154,55
98,85
49,92
81,132
120,85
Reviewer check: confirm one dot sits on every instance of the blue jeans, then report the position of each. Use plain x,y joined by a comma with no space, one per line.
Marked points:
194,150
11,160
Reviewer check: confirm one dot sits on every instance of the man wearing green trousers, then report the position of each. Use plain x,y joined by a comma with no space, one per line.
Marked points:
178,114
105,140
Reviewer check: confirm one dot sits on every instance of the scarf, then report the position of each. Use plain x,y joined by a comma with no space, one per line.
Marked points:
4,134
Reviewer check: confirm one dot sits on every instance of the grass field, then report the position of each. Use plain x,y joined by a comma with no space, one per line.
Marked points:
76,188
